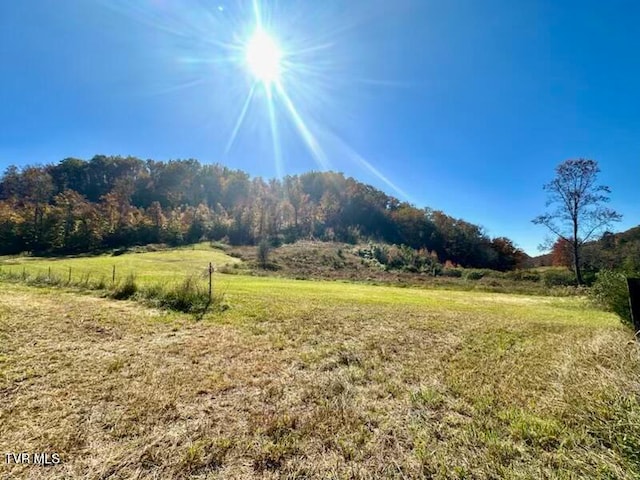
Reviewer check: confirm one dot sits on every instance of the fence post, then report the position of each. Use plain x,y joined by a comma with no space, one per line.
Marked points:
113,275
49,274
69,281
634,303
210,280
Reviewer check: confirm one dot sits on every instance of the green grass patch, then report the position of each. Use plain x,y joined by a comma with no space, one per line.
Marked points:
166,266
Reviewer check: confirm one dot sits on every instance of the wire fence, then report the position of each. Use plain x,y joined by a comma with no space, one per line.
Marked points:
194,293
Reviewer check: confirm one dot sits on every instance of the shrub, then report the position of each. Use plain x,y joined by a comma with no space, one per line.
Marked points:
380,253
610,292
530,276
558,278
228,269
493,273
523,275
589,276
403,257
352,235
125,290
473,274
452,272
395,258
368,256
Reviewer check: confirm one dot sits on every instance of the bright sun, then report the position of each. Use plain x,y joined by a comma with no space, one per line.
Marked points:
263,57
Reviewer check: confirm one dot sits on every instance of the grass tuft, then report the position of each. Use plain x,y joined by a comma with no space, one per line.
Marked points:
126,289
189,296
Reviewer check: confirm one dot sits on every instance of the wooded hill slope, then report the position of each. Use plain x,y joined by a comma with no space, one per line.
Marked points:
112,201
614,251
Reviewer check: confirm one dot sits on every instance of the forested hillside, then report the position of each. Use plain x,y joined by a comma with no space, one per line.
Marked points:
106,202
614,251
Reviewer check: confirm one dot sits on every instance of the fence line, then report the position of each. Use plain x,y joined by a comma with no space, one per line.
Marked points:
49,274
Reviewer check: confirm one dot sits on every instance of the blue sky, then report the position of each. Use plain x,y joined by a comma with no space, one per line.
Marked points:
461,105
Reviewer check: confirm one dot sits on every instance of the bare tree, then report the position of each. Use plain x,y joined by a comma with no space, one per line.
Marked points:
578,212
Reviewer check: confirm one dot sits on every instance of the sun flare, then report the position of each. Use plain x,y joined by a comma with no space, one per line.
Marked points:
263,57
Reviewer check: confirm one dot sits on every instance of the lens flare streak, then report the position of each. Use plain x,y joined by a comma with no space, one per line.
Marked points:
243,114
307,136
357,158
275,136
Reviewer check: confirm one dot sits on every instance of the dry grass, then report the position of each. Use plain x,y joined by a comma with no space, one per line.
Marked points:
318,380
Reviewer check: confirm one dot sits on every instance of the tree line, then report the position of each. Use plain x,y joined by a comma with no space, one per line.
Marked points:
612,251
112,201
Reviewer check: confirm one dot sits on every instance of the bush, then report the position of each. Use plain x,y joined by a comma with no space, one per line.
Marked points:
380,253
558,278
368,256
589,276
523,275
452,272
402,257
473,274
228,269
610,291
351,236
125,290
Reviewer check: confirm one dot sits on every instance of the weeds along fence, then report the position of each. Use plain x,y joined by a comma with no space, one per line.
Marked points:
194,293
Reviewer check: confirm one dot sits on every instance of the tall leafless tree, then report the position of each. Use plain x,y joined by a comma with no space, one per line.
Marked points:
578,211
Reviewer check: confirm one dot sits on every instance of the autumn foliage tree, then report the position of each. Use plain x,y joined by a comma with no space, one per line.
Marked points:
561,253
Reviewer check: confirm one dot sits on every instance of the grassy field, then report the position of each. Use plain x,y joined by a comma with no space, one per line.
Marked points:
312,379
164,266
